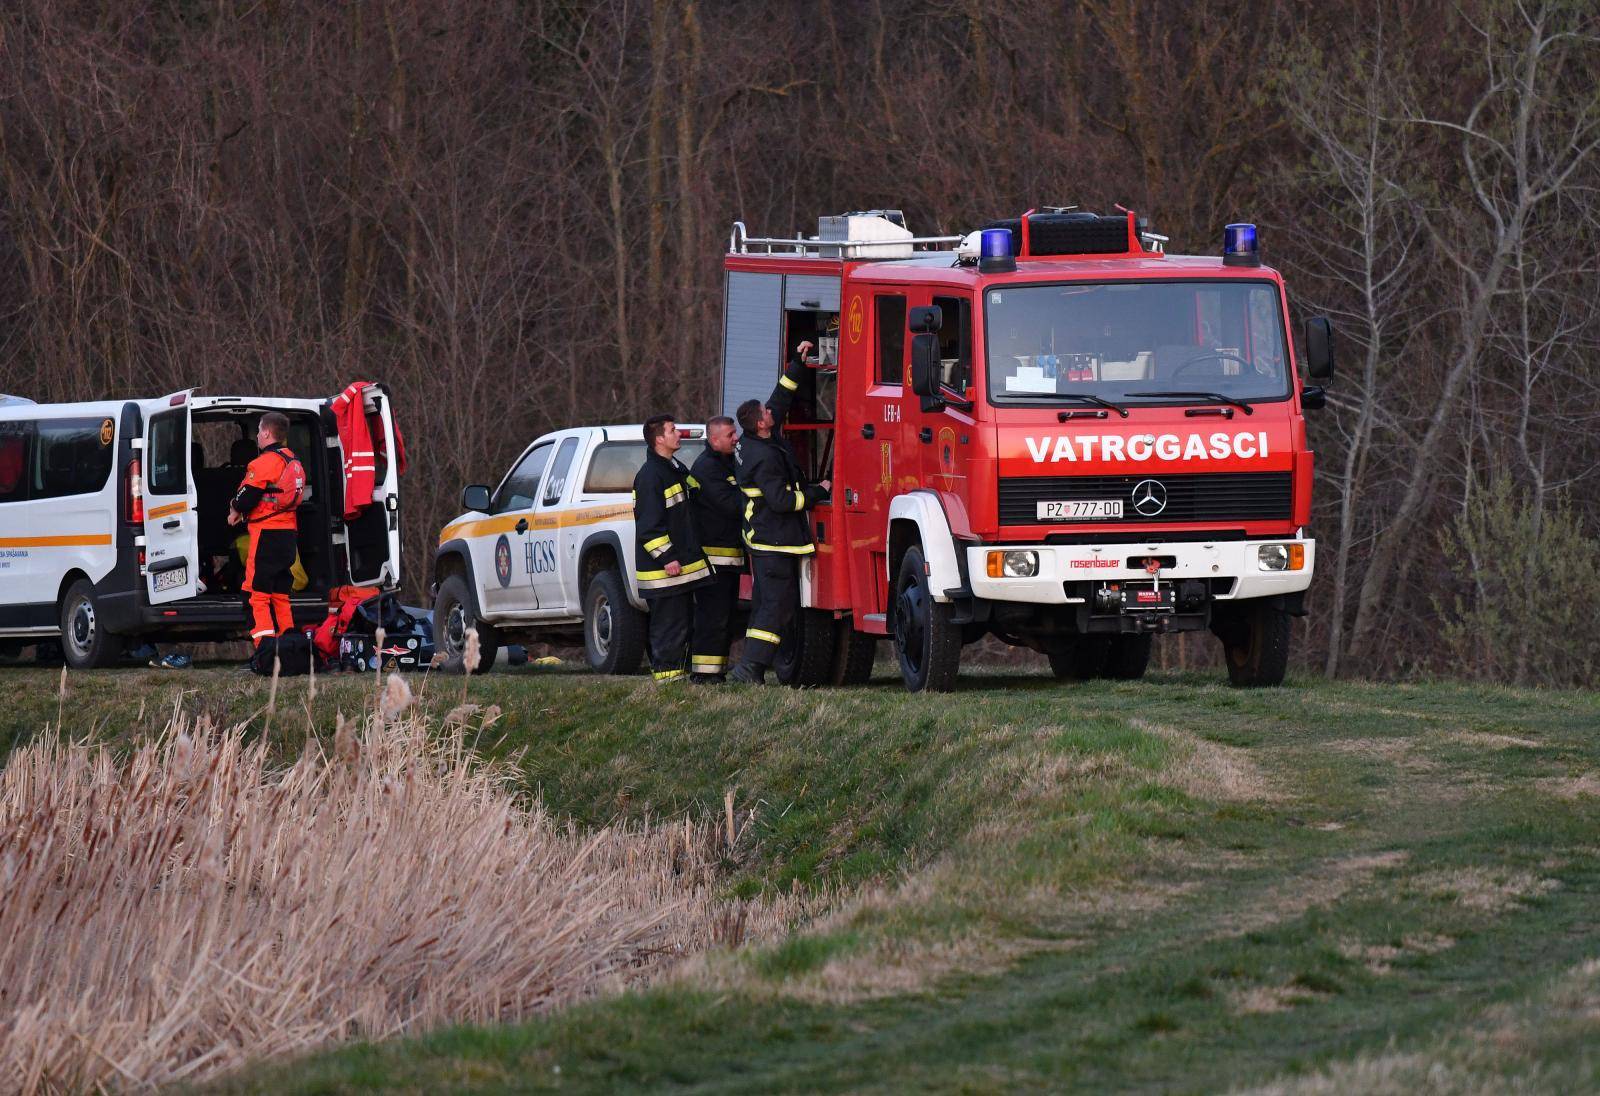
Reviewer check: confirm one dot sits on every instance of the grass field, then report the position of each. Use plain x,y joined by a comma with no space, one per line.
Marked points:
1164,885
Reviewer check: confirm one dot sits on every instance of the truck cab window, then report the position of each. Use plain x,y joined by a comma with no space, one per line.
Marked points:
891,320
521,487
955,342
555,484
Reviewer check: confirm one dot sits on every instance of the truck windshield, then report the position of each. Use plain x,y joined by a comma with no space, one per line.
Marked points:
1120,340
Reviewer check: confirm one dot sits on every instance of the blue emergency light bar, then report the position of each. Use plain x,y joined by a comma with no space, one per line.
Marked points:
994,253
1239,246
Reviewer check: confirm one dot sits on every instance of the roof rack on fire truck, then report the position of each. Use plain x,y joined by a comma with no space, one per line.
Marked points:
869,234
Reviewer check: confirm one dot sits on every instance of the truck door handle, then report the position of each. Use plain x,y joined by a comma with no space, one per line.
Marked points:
868,431
173,524
522,525
925,435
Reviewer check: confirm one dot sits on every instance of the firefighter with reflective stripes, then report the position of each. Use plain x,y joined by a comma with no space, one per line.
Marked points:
266,504
667,557
776,532
718,508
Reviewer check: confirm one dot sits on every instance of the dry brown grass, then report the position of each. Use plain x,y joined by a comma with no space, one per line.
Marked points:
1489,890
171,915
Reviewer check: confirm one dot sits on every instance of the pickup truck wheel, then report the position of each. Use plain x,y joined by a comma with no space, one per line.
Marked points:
805,658
454,617
85,643
853,654
926,640
613,630
1255,643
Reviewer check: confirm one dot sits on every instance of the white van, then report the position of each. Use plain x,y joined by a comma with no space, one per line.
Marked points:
114,517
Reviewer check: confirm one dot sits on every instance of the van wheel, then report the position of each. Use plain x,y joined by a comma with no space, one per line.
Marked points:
85,643
805,657
926,640
613,630
454,618
1255,643
853,654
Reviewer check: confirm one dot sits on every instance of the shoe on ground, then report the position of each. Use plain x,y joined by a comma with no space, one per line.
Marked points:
749,674
706,679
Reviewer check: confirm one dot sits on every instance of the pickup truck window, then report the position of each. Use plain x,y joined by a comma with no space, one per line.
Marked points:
521,487
615,463
555,484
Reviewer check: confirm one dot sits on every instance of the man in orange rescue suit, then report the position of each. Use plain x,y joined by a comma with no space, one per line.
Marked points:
266,505
776,531
667,559
718,511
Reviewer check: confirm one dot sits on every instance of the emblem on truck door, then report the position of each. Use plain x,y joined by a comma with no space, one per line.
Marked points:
1149,498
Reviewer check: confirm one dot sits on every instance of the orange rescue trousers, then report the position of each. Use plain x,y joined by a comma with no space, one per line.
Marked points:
268,577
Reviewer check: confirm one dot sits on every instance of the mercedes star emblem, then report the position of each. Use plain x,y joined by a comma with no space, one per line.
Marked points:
1149,498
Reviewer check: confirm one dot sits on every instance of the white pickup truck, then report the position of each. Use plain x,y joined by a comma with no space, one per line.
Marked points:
548,553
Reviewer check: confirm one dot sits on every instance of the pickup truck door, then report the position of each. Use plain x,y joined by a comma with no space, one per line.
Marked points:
171,525
499,547
546,556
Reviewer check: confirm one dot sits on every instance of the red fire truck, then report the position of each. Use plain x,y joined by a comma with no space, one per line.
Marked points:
1049,431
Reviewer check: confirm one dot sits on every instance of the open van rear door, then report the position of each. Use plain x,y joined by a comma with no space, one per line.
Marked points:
171,526
372,535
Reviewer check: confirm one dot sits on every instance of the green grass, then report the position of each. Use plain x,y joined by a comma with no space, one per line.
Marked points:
1161,885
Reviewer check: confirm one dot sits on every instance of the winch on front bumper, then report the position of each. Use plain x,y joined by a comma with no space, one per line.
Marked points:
1144,586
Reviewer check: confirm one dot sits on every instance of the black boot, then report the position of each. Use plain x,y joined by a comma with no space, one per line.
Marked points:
749,673
705,679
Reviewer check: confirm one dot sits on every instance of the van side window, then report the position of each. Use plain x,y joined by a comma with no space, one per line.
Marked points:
167,451
522,485
891,317
15,438
555,484
955,342
72,456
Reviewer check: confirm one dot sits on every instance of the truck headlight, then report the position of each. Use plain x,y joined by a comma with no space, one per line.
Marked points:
1281,557
1012,564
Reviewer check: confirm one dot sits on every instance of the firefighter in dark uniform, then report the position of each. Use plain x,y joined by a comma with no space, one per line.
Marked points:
718,510
776,532
668,562
266,504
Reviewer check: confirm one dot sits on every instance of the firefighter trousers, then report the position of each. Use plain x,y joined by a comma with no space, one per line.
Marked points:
669,634
268,579
773,604
714,602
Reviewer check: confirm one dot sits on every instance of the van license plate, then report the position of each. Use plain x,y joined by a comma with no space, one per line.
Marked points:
171,580
1084,510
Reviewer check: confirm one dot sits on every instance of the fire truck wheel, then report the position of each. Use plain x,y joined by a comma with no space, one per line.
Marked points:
853,654
926,640
85,643
805,660
1082,658
613,630
455,617
1128,657
1255,644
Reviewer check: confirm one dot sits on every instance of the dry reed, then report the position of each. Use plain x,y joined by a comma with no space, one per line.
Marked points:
171,915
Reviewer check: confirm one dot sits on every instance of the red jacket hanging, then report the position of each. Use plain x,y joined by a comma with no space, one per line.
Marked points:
363,447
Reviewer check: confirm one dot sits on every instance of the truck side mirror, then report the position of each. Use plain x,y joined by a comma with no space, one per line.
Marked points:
1319,347
925,369
476,497
926,318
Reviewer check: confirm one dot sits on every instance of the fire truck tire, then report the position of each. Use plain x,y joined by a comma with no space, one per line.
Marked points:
1255,644
853,654
85,643
614,631
805,660
1127,657
1082,658
927,641
455,615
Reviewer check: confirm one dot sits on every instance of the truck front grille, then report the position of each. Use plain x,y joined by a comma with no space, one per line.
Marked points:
1211,496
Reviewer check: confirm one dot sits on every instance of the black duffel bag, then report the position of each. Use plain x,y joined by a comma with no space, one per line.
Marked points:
292,653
